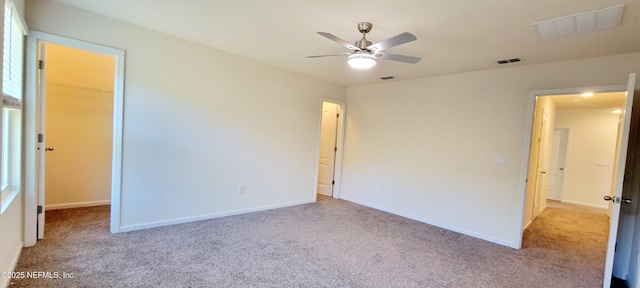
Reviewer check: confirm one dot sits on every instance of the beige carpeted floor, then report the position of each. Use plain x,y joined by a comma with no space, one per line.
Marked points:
331,243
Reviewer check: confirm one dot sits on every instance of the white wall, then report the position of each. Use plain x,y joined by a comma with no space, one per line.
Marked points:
11,240
590,156
11,226
426,148
79,112
199,122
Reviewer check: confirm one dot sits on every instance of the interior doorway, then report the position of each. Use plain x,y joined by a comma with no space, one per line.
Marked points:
609,190
78,121
586,175
81,102
330,149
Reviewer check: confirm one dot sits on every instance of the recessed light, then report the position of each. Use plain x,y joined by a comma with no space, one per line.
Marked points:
587,94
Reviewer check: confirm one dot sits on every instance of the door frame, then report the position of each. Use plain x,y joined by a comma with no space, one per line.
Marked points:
337,172
31,119
541,161
524,170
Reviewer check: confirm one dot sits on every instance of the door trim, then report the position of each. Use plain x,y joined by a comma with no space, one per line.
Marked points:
30,139
339,143
524,169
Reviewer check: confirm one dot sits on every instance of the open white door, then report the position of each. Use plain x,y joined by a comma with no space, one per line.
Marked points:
40,146
617,195
328,148
556,165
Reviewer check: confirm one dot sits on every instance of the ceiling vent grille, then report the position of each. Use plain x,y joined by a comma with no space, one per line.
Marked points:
580,23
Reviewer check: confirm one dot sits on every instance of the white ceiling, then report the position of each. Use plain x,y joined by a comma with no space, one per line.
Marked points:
605,102
453,35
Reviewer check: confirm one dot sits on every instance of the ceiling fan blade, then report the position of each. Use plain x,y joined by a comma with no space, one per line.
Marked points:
399,58
393,41
339,41
328,55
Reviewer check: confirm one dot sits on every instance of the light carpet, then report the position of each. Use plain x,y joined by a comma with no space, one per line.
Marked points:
330,243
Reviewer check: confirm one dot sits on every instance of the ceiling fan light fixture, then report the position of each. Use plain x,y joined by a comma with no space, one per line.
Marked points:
361,61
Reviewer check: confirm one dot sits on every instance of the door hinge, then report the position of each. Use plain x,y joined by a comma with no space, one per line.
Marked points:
40,64
335,149
39,209
333,182
337,115
40,137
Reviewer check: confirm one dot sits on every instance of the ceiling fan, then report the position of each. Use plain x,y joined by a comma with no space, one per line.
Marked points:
364,53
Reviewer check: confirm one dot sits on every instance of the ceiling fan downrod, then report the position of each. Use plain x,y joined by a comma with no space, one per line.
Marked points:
364,28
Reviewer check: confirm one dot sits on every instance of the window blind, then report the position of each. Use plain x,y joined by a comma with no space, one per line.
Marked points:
12,57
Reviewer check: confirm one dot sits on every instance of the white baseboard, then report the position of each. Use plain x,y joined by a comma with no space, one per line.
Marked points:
76,205
534,218
434,223
527,225
585,204
4,282
129,228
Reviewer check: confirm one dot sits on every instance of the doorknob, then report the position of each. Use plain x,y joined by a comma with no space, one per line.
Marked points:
48,149
618,199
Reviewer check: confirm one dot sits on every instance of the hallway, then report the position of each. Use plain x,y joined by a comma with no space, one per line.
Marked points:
570,236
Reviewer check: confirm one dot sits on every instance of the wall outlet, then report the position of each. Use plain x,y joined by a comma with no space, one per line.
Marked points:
242,189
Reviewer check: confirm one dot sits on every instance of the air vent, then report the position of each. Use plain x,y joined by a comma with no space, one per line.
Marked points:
580,23
387,78
510,60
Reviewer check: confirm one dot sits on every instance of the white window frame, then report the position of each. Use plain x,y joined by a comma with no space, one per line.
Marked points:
4,169
11,115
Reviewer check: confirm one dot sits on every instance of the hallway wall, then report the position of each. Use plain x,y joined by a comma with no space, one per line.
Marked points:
590,156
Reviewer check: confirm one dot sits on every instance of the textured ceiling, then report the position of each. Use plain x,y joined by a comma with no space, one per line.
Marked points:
453,36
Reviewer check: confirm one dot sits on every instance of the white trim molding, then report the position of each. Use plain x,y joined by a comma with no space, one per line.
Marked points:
134,227
77,205
30,128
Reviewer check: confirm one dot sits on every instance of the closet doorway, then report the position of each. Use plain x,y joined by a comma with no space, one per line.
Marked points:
74,97
78,121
